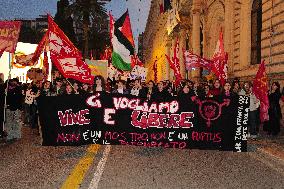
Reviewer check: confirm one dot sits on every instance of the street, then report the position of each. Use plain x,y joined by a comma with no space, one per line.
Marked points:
27,164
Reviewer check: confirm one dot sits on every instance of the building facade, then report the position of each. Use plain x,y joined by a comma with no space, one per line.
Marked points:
253,31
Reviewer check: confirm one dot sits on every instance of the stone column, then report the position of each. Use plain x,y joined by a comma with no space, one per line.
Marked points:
228,33
182,46
196,34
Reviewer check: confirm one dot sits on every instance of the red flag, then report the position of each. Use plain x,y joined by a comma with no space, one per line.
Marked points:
136,61
66,57
9,34
174,64
195,61
220,59
39,49
260,90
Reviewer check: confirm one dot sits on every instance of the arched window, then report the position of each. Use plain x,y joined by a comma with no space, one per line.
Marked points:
256,27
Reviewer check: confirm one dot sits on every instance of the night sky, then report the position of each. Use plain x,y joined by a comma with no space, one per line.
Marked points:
27,9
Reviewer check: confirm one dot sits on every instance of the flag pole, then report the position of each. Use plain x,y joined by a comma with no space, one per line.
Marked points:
6,93
69,83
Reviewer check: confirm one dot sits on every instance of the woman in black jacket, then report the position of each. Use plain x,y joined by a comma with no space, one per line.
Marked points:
274,111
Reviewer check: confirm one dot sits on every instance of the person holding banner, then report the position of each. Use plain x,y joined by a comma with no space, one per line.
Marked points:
137,89
68,90
86,89
120,88
150,89
216,91
161,95
207,93
227,93
236,87
76,88
184,97
99,84
46,89
253,110
59,88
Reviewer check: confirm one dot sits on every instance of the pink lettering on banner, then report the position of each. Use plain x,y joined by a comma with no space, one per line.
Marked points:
157,120
70,118
114,136
179,145
205,136
68,137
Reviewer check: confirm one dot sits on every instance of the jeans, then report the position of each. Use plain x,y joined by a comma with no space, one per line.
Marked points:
13,126
33,116
253,122
27,113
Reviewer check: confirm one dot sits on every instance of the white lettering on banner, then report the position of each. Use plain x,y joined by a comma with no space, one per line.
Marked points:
170,135
107,117
70,65
93,102
94,135
134,104
242,121
56,44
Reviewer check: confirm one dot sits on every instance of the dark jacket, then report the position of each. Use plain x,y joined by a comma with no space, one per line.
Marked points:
14,98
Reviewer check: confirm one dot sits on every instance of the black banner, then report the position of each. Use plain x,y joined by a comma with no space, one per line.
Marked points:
125,120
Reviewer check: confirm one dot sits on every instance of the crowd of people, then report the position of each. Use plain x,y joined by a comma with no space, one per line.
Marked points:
21,109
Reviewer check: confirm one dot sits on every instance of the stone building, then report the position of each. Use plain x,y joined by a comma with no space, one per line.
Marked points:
253,30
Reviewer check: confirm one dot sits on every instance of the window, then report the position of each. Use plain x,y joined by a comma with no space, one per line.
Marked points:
256,27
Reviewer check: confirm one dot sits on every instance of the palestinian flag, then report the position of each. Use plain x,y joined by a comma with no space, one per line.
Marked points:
122,42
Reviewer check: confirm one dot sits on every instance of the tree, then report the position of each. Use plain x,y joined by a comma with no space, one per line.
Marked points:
88,14
31,35
64,21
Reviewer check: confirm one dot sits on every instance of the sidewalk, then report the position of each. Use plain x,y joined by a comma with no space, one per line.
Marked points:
270,145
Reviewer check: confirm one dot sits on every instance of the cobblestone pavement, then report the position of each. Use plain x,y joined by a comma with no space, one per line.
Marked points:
26,164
